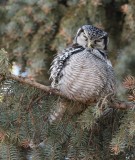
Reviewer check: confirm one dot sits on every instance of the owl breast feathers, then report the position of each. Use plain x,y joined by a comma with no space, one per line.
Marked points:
83,73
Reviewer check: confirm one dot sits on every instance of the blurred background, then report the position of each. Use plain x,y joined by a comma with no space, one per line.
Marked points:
33,31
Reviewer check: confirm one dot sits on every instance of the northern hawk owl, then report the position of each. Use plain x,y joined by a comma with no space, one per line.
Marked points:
82,72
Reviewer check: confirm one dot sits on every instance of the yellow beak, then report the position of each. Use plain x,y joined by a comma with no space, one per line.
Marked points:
90,45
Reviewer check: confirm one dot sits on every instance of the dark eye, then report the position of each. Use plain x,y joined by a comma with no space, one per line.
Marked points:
97,40
84,35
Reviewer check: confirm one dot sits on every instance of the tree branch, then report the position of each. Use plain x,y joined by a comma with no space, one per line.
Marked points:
27,81
117,104
123,105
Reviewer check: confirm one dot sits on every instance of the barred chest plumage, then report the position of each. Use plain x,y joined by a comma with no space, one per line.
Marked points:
83,74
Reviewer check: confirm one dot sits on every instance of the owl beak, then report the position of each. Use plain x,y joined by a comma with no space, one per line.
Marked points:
90,44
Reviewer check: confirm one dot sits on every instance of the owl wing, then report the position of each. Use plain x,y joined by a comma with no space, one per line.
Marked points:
59,63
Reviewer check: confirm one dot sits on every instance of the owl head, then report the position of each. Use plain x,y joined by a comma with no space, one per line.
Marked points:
91,37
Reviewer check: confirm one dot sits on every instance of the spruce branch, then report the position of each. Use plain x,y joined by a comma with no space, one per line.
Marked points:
31,83
129,82
115,103
122,105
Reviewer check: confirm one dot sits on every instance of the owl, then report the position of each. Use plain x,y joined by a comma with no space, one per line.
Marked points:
82,71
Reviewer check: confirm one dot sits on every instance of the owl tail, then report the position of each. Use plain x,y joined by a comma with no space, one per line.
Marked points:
58,111
66,106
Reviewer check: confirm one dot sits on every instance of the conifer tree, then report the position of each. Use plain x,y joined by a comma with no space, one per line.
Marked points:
31,31
28,131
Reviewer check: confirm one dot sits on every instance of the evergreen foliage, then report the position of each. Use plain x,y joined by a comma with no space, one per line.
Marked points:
32,31
36,29
26,131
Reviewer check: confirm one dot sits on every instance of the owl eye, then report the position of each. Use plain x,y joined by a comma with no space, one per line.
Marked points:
84,35
97,40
